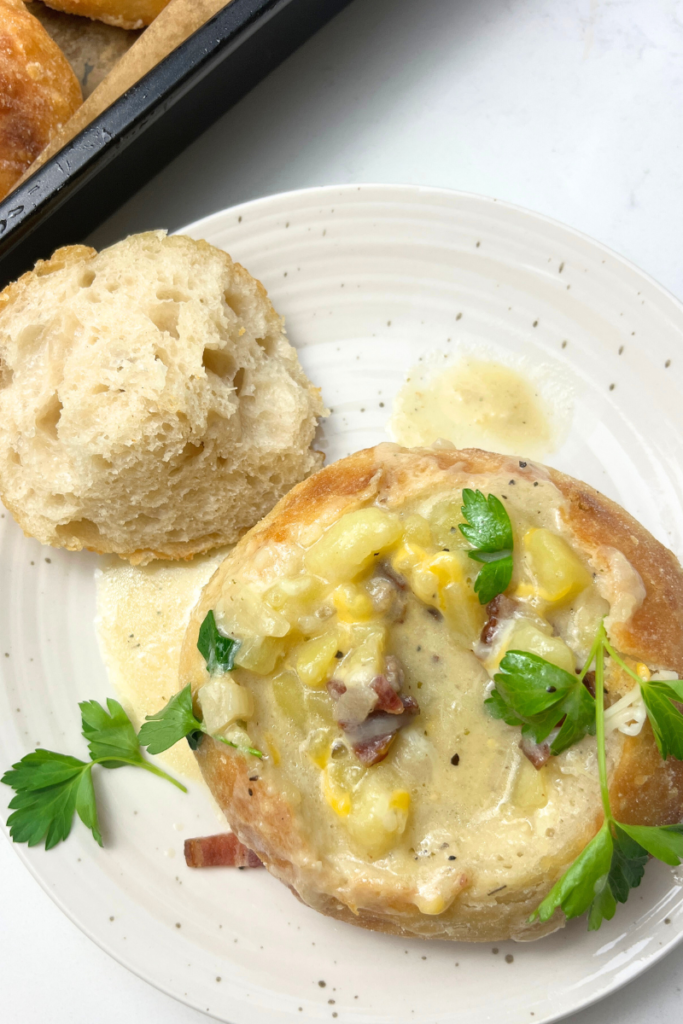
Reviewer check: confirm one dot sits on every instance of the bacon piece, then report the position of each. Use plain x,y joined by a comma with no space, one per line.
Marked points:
387,697
336,688
371,739
500,608
220,851
537,753
372,714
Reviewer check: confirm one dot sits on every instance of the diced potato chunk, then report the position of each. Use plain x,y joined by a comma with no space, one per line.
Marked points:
407,557
416,530
527,637
244,613
318,706
289,697
352,602
530,791
557,570
365,662
314,659
464,614
295,596
378,817
351,544
259,654
444,520
223,701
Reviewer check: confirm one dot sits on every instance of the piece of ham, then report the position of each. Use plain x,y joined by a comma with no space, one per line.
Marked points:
220,851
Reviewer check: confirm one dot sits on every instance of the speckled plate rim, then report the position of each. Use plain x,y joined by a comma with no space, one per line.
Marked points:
371,193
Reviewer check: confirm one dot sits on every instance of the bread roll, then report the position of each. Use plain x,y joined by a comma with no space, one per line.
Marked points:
150,403
389,797
38,91
121,13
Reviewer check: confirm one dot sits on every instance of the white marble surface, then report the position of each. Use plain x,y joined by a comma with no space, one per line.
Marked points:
573,109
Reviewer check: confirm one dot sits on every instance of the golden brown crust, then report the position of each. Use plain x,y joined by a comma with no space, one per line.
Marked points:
38,91
644,789
654,634
121,13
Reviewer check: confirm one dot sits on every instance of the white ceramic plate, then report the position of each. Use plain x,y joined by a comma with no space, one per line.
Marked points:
369,278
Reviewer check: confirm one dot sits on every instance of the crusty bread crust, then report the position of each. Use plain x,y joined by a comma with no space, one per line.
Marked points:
129,14
644,789
38,91
150,403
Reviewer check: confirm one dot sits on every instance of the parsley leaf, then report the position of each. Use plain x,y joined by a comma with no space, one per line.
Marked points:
542,697
628,863
177,721
489,530
488,525
174,722
584,880
494,578
664,842
665,718
603,874
109,734
50,788
217,649
499,708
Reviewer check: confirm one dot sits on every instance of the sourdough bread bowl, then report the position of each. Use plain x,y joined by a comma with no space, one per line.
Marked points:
150,402
388,796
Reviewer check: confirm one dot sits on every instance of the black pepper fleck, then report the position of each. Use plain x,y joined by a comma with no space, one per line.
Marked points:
250,792
522,465
323,984
451,856
455,759
509,959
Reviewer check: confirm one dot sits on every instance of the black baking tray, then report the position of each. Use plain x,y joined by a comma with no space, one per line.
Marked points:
83,184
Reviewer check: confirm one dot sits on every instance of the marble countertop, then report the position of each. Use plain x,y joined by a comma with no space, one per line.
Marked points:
571,109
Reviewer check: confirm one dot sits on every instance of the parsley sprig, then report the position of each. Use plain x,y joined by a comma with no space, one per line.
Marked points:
177,720
541,698
614,861
50,788
489,531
